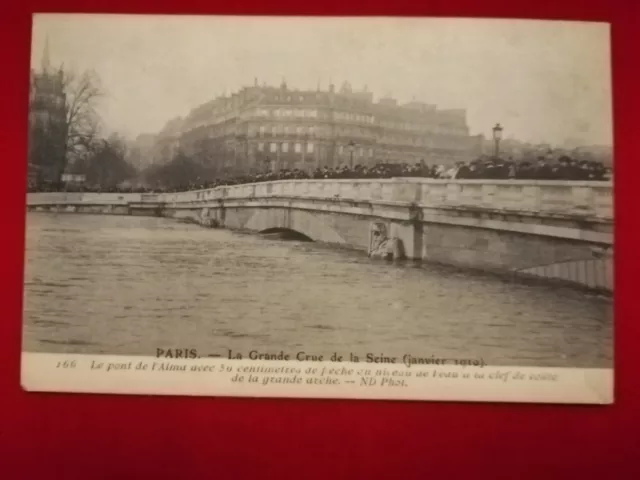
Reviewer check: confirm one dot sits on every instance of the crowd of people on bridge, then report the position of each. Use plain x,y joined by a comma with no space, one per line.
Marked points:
564,169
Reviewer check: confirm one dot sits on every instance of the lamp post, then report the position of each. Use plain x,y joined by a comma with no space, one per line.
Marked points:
352,147
267,164
497,136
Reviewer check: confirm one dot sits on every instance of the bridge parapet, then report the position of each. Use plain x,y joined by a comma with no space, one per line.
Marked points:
588,199
583,199
75,198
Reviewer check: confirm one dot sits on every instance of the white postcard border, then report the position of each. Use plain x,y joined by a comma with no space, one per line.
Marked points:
80,373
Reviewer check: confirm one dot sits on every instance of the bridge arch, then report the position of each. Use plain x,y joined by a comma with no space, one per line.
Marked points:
285,234
315,226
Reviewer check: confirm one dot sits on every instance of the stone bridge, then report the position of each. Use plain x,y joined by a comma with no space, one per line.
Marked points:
549,229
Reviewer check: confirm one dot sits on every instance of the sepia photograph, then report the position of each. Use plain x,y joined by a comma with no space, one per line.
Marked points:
370,208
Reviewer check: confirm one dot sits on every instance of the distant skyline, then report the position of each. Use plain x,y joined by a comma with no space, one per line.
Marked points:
544,81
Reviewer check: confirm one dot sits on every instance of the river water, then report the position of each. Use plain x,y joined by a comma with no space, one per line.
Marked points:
129,285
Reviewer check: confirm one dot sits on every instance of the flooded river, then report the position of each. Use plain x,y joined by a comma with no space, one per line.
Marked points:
129,285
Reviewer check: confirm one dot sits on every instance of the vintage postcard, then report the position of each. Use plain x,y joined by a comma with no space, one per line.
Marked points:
370,208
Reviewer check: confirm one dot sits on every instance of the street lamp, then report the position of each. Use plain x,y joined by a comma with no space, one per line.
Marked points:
497,136
267,164
352,147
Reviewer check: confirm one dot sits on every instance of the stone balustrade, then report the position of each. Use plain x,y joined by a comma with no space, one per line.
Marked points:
592,199
74,198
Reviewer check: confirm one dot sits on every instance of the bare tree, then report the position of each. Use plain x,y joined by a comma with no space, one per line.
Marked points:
82,93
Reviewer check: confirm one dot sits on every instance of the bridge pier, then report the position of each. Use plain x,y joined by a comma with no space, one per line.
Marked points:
411,233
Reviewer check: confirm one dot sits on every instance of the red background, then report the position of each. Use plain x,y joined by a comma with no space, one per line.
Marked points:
93,436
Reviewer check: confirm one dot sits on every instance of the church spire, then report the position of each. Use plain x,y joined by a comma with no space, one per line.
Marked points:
46,63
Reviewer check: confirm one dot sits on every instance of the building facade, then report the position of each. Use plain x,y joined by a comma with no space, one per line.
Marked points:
47,125
261,128
166,143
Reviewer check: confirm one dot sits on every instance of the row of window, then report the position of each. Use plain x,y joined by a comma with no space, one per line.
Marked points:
359,151
287,112
288,98
344,133
287,129
348,132
354,117
284,147
309,147
356,132
419,127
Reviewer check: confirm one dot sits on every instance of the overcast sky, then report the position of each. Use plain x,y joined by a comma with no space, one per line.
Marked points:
543,81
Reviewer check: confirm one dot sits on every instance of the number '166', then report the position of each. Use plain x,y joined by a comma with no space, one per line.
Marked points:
66,364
